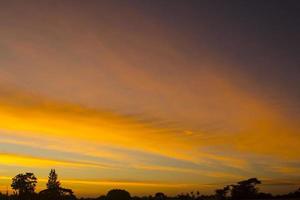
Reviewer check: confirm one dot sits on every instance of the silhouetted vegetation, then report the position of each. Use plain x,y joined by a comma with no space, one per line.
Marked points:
54,191
24,186
245,189
222,194
118,194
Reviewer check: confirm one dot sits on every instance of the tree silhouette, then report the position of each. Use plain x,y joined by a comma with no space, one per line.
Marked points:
50,194
160,196
117,194
53,186
54,191
221,194
24,184
245,189
53,183
66,194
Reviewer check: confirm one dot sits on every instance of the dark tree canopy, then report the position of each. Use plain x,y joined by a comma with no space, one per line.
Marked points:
160,196
54,191
221,194
118,194
24,183
53,183
245,189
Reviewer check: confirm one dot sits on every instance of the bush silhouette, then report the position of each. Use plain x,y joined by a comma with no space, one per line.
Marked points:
117,194
160,196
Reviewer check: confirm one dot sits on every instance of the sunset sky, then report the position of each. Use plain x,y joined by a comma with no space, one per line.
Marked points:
148,96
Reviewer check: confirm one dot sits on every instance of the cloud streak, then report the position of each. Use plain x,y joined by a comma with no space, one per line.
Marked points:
142,100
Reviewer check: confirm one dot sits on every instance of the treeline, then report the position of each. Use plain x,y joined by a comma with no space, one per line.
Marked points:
24,186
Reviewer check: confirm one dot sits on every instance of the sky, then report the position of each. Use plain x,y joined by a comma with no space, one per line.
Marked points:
148,96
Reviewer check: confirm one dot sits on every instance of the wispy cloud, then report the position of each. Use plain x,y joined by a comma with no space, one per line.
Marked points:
94,97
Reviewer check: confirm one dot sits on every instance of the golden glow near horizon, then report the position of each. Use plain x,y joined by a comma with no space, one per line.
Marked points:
104,145
108,106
